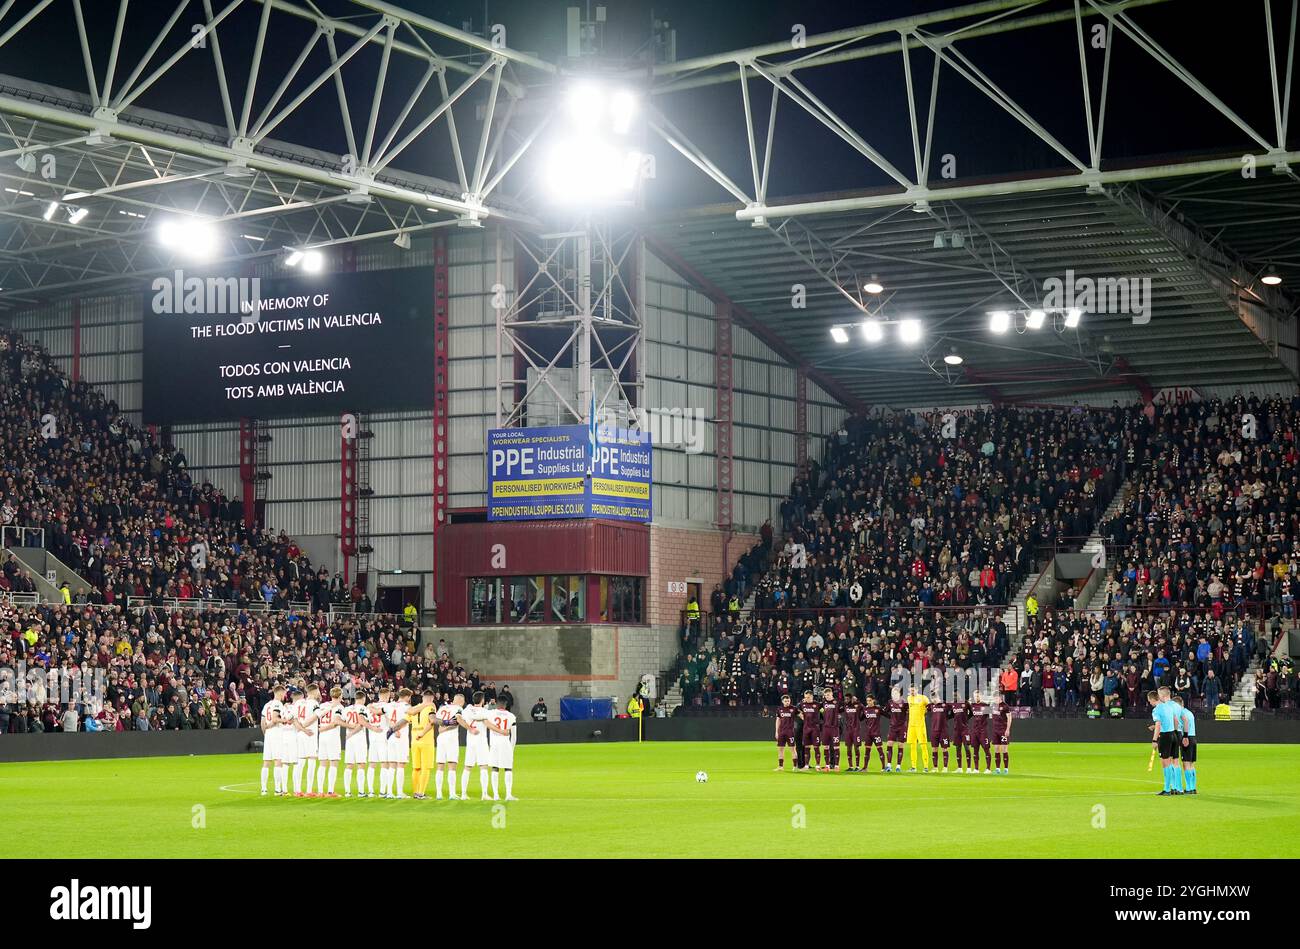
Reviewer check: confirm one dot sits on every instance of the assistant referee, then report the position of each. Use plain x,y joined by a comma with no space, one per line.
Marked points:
1188,750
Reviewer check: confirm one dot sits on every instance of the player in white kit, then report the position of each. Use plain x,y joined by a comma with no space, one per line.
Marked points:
450,719
355,723
399,743
273,713
329,742
288,739
306,721
501,727
476,749
377,758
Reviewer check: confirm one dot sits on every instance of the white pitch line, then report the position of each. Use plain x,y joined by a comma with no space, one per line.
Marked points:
233,788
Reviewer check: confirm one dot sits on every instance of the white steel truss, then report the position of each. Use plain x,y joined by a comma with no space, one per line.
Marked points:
942,35
102,149
571,335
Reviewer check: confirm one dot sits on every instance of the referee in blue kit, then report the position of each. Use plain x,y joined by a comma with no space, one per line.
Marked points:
1165,737
1187,752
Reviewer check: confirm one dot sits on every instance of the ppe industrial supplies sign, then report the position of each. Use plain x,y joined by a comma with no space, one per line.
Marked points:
544,473
225,348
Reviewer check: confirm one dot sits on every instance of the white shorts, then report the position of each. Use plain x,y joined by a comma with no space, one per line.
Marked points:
449,747
287,746
378,748
477,753
328,746
270,744
356,749
503,755
399,748
306,745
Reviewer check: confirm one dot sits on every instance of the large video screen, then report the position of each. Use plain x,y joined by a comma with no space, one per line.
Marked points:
223,348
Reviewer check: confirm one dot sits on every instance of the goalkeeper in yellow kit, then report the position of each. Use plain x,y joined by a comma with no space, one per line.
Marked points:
421,719
916,708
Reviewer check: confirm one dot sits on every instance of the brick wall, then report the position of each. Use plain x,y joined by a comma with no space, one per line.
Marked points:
677,554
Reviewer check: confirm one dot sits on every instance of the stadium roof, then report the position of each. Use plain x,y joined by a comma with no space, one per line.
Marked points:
313,124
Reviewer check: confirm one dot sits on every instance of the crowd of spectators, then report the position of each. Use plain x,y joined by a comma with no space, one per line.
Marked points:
1075,661
148,668
1214,509
752,660
918,510
943,509
120,508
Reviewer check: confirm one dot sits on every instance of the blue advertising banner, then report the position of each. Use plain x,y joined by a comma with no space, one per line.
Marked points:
546,473
620,475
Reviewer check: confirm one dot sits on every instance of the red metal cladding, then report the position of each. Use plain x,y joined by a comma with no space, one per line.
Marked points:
248,469
801,417
76,341
536,548
441,398
348,504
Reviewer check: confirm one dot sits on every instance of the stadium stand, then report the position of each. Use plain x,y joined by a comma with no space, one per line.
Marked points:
169,669
906,546
183,642
121,510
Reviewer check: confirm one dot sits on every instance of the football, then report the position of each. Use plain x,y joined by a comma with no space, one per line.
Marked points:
701,776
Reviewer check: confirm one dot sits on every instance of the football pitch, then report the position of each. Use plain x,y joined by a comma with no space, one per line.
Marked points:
628,800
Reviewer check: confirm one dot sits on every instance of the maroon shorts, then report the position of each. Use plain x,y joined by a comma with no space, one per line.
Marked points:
785,740
939,740
830,737
898,734
811,738
873,738
960,738
852,736
979,739
1001,739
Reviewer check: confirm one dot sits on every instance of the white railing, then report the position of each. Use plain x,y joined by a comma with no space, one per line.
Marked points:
13,536
254,606
176,603
20,599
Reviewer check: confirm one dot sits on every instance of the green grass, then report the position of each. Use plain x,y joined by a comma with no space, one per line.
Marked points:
625,800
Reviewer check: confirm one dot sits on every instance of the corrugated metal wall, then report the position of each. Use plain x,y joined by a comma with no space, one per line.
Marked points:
680,374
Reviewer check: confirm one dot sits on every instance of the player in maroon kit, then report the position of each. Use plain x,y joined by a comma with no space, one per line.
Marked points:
897,736
849,734
979,734
939,712
961,734
785,718
811,734
1000,725
871,716
830,731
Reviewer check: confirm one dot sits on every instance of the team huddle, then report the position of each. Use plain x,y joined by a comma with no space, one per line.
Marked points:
829,725
377,740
